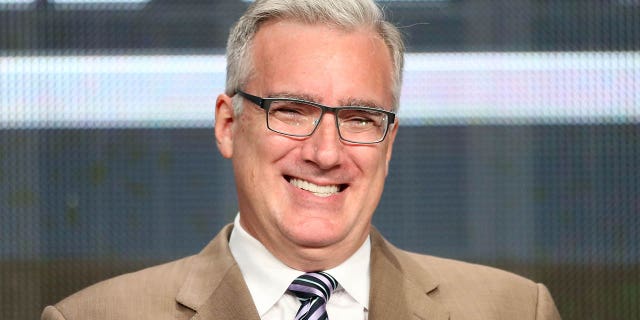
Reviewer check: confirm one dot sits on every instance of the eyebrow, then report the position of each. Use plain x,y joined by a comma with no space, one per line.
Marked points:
298,96
361,103
354,102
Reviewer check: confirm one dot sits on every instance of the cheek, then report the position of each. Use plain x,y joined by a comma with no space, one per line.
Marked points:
246,154
249,135
371,164
262,151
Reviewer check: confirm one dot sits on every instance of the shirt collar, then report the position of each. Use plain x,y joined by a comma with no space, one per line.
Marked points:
268,278
353,274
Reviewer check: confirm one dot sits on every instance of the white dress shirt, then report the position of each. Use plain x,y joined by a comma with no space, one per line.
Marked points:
268,280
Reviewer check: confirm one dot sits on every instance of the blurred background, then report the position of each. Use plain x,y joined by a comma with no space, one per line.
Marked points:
519,144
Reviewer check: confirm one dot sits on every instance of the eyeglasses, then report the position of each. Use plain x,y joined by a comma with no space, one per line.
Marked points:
300,118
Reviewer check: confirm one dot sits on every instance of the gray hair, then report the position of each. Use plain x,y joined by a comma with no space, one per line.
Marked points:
347,14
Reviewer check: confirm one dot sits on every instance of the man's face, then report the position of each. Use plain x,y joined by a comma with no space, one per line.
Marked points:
276,175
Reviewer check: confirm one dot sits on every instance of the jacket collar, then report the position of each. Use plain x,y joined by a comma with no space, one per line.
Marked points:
214,288
400,287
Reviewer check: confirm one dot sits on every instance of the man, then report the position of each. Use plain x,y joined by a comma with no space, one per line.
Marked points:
308,122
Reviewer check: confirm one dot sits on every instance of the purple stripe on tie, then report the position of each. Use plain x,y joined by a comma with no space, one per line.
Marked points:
322,278
303,311
315,283
319,314
311,290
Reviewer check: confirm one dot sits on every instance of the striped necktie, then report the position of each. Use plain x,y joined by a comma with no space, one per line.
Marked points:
313,290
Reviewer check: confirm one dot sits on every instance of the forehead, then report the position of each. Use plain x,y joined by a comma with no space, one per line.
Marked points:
321,60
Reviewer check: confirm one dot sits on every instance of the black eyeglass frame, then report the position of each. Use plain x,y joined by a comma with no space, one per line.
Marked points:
265,104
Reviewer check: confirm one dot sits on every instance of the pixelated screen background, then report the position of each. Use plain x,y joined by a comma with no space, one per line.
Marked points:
519,144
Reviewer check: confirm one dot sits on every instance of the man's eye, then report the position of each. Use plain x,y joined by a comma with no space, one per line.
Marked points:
289,109
359,122
359,119
286,112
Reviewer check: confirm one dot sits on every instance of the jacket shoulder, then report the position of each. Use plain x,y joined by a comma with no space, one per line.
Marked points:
146,294
483,290
169,291
455,272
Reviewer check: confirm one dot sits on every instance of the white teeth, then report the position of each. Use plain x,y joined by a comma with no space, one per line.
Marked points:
321,191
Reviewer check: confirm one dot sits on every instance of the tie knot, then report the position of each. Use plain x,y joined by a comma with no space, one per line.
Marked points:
315,284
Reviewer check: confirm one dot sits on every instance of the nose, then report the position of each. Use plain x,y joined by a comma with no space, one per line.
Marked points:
324,147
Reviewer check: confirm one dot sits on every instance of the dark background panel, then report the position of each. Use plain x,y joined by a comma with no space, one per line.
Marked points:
444,26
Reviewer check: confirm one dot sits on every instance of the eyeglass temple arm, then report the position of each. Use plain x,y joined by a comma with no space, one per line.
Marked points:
255,99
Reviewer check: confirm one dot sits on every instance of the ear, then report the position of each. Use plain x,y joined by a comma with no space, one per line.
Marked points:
224,121
391,137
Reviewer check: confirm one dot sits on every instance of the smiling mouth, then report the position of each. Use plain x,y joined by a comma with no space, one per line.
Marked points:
321,191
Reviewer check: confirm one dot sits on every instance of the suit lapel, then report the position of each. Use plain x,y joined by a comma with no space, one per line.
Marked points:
400,289
215,288
230,300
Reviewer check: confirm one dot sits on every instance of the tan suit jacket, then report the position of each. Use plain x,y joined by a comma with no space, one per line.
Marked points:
209,286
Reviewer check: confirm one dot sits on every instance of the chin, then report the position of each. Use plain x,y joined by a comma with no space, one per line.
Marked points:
315,236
